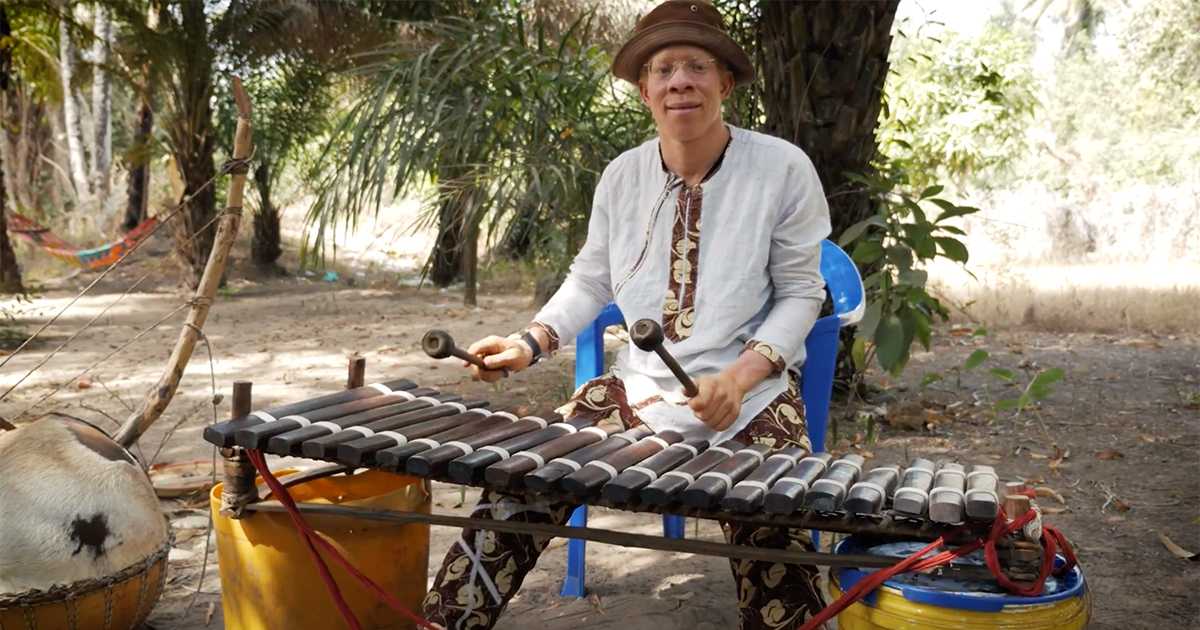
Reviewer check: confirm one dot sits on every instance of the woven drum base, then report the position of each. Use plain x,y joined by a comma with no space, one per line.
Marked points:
117,602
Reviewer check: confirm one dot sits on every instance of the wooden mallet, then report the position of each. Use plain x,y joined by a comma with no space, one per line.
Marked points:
440,345
647,334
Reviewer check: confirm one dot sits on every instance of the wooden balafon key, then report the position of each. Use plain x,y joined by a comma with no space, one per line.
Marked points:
946,499
706,491
509,473
361,449
827,493
469,468
787,494
869,495
322,420
662,491
624,488
592,476
912,497
748,494
435,461
981,498
293,441
546,477
398,455
224,434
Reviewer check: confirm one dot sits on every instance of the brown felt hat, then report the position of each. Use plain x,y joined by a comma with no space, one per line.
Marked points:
694,22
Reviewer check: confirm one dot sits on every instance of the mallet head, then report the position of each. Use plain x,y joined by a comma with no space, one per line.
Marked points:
646,334
437,344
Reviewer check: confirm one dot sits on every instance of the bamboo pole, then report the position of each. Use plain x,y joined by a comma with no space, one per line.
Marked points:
160,396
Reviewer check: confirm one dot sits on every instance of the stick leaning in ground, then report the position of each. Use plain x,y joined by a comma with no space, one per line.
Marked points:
160,396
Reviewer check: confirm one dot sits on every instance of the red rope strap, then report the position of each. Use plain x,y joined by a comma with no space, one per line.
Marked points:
312,541
1052,540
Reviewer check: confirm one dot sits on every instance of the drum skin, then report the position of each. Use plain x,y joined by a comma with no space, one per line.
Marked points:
83,543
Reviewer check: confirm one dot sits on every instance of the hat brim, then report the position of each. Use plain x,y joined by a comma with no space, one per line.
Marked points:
629,60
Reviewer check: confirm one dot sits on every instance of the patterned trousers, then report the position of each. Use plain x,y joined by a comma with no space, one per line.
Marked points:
484,569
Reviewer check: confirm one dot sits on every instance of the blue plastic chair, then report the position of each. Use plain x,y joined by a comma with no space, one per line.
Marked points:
845,288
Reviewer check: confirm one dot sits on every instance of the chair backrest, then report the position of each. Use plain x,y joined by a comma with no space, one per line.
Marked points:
843,282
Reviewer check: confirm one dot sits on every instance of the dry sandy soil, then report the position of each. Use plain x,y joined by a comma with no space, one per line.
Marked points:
1118,439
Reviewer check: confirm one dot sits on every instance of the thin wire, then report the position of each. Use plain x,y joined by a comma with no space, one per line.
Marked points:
49,356
212,376
105,358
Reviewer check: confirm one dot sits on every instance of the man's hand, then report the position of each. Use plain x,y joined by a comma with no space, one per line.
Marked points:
719,401
499,354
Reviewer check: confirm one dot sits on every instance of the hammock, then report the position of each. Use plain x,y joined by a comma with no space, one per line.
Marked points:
94,258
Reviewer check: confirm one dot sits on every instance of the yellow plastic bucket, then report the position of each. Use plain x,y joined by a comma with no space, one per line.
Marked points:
269,581
931,603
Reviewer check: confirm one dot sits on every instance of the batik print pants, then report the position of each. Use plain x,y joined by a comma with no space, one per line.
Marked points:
484,569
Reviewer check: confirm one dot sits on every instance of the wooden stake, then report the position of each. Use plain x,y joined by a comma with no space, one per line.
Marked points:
356,372
238,489
160,396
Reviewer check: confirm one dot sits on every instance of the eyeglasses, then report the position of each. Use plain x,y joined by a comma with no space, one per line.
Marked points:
662,70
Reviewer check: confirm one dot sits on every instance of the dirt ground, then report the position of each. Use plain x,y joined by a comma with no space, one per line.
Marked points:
1117,440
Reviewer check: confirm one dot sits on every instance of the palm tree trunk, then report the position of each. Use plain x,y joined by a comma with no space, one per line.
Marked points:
824,64
265,247
71,118
101,107
446,257
190,130
139,173
10,274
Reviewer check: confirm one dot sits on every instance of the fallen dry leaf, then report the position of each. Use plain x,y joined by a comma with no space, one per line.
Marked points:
1110,454
208,616
84,382
1120,505
1176,550
1051,510
1059,456
1047,491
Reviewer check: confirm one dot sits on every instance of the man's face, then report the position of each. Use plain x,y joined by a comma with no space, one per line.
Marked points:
684,87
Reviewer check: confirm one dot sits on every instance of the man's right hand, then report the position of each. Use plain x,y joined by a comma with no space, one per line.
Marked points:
499,354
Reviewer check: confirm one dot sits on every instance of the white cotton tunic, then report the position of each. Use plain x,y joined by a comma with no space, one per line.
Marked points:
763,216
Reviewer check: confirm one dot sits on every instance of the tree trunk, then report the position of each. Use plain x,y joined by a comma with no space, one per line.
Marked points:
101,107
71,118
445,265
824,64
139,171
470,261
265,247
190,130
10,274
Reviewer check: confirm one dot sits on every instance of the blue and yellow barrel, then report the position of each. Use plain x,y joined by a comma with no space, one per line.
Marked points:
269,581
927,602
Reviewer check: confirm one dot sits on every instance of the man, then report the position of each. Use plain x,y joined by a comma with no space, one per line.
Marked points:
715,232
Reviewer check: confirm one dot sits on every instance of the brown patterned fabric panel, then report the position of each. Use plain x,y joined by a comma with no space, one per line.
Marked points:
679,306
770,352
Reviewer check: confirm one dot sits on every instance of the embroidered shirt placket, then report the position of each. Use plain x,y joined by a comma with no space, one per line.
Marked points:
687,223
